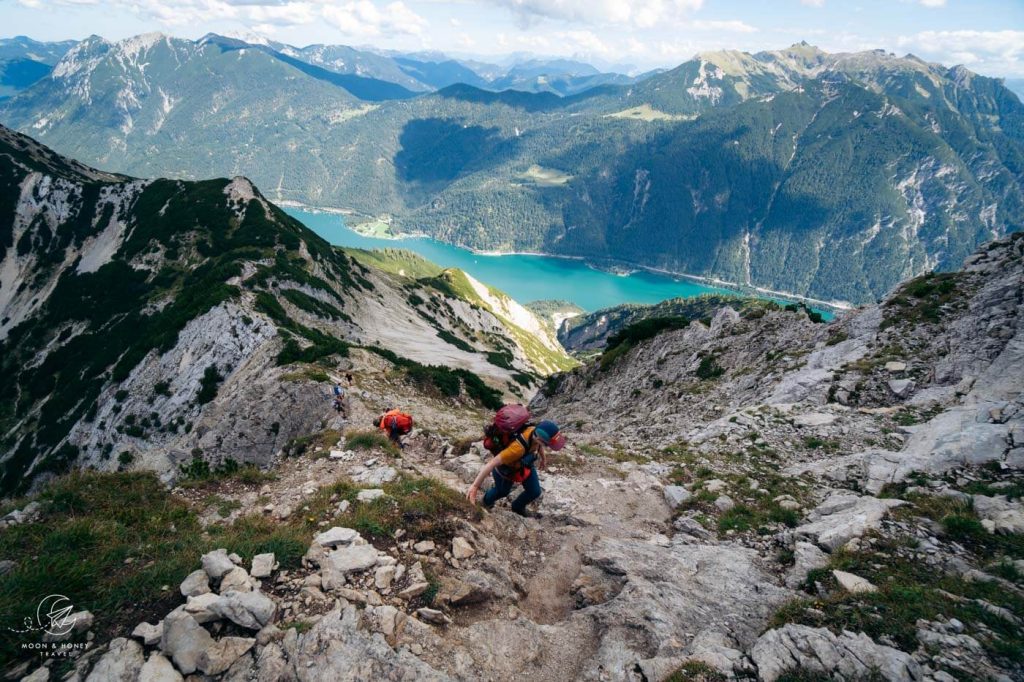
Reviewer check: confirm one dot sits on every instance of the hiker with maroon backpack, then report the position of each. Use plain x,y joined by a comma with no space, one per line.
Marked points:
517,445
395,424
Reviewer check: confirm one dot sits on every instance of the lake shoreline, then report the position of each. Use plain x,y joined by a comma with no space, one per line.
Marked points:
607,266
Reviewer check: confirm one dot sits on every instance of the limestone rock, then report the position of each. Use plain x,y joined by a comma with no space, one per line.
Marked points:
262,565
853,583
414,590
817,650
814,419
250,610
424,547
352,559
201,607
676,495
383,577
893,366
369,495
122,662
806,558
159,669
844,516
223,653
901,388
237,579
197,582
217,563
336,536
461,549
149,634
184,640
433,616
336,649
724,503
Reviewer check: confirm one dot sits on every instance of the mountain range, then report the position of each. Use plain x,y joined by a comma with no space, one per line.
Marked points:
832,176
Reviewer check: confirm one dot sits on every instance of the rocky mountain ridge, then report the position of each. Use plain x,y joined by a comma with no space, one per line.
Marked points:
153,321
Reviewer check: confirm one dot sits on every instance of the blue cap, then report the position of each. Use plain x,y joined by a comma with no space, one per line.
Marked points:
547,430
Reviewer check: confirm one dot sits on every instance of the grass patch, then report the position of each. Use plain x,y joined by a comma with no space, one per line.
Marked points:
324,440
908,590
626,338
199,474
369,440
307,374
91,524
696,671
923,299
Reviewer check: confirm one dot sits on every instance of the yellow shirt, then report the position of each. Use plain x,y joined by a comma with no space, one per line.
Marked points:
515,451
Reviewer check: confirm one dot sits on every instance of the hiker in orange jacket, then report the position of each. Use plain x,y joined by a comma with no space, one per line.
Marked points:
516,464
395,424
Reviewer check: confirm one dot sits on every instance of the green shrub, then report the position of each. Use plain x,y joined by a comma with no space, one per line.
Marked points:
208,385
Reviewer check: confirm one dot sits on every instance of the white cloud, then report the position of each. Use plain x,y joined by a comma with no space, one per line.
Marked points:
933,3
998,52
813,3
729,26
639,13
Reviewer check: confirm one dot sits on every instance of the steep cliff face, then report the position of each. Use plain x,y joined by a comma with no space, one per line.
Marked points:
150,320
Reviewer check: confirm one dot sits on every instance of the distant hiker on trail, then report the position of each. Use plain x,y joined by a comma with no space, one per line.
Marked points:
395,424
349,379
516,445
339,400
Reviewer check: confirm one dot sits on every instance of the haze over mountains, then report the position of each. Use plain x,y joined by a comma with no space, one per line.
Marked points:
827,175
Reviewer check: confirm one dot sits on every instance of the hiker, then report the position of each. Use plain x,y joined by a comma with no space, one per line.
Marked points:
349,379
339,400
395,424
515,463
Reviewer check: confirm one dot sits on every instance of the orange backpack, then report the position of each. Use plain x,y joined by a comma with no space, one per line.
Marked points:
397,420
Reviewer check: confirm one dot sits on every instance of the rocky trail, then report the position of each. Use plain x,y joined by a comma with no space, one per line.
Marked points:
752,498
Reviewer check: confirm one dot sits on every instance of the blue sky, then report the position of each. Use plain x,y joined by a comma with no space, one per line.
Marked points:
986,35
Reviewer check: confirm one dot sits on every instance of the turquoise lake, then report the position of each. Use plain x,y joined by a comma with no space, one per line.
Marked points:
524,278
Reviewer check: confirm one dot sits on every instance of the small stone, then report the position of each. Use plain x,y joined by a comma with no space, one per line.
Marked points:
149,634
461,549
219,657
343,506
989,525
424,547
676,495
236,579
901,388
895,367
217,563
369,495
6,566
235,559
724,503
433,616
383,577
814,419
336,536
414,590
853,584
715,485
262,565
956,625
184,639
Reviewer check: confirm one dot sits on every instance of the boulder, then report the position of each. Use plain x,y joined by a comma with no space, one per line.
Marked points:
894,366
383,577
844,516
336,649
159,669
184,640
272,666
197,582
217,563
676,495
818,651
377,476
424,547
724,503
262,565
